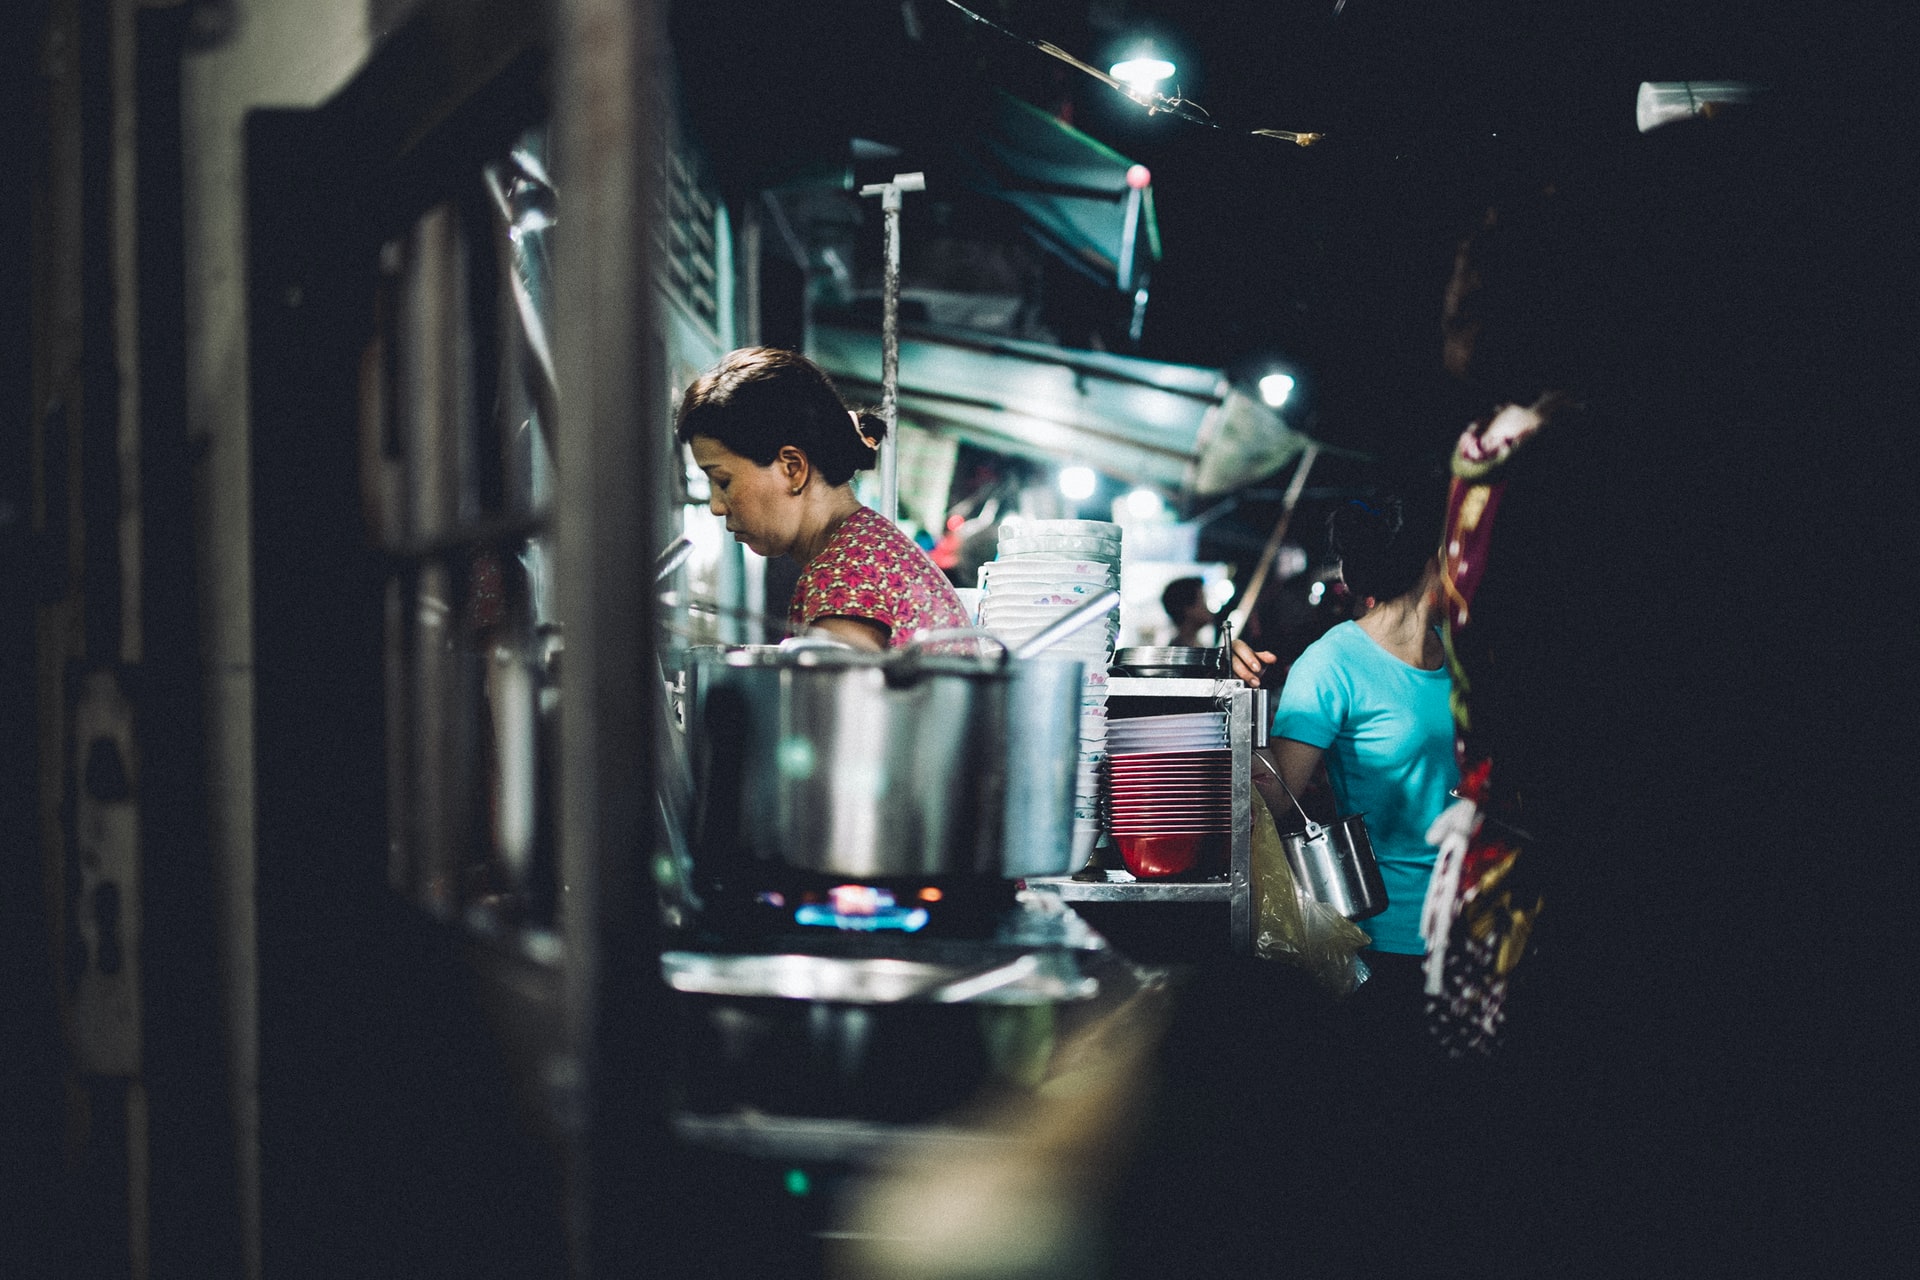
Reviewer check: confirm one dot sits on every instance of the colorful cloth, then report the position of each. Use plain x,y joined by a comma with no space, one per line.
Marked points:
871,571
1483,927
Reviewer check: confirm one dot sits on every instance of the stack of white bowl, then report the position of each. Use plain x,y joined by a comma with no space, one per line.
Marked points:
1044,569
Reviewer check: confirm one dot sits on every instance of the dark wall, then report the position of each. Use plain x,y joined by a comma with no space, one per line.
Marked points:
31,1096
392,1138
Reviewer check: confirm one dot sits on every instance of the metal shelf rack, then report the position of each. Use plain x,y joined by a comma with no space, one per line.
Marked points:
1246,710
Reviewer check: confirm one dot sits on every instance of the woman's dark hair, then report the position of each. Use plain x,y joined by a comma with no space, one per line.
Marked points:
758,400
1383,544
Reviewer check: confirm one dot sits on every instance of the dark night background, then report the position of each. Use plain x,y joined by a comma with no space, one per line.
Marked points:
1333,256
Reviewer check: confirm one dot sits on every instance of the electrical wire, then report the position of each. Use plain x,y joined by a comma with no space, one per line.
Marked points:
1185,108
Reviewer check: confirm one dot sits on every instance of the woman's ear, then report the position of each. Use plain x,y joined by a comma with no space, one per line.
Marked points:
795,467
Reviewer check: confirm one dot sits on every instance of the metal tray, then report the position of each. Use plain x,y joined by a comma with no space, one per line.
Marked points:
1036,977
1179,661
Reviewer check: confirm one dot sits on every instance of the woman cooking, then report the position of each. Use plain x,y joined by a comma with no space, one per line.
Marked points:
1370,700
780,451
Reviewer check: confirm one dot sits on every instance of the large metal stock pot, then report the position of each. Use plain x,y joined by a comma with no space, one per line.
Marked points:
869,766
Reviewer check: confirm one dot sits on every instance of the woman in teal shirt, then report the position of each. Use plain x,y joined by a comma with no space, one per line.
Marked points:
1370,700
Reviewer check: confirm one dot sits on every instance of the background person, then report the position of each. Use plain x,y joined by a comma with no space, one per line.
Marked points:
780,450
1185,601
1369,699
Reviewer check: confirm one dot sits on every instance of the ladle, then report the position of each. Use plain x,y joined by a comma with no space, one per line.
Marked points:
1068,623
671,558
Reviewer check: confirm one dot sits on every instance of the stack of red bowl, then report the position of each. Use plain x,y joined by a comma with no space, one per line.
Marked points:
1171,803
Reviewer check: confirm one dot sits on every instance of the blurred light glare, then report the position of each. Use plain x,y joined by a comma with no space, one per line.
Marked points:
1142,72
1275,388
1144,504
708,533
1078,483
1316,593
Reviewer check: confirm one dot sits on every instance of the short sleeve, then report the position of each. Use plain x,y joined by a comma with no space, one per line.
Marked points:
871,572
1315,700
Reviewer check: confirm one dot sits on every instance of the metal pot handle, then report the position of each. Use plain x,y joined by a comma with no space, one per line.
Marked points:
904,669
805,642
910,653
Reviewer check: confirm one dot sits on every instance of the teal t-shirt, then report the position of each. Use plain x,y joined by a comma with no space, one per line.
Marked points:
1388,738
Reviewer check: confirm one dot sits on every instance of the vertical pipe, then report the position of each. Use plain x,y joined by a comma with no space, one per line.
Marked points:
1240,732
890,358
126,317
284,55
607,112
889,193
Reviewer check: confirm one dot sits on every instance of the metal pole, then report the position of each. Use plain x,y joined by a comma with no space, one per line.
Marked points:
1129,230
890,360
622,1167
889,193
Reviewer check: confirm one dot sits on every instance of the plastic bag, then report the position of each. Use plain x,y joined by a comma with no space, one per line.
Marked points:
1292,927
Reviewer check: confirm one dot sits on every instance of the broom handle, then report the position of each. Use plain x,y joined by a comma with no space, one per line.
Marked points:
1259,580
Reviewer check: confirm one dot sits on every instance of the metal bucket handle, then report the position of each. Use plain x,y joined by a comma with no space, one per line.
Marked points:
1314,829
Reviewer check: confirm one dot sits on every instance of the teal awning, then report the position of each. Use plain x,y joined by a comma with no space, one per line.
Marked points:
1178,427
1070,188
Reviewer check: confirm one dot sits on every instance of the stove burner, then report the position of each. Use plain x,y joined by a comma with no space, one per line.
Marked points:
824,906
865,909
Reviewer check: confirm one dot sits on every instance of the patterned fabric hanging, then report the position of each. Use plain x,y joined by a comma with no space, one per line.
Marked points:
1487,899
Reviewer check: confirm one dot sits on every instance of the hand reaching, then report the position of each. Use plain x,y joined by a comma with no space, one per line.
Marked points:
1250,664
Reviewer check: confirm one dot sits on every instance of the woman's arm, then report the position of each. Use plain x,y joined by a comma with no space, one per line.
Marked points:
1297,763
856,632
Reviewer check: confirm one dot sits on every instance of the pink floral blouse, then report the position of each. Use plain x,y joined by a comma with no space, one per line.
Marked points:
872,571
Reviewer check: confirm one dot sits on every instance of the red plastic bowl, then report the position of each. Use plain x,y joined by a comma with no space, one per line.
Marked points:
1159,857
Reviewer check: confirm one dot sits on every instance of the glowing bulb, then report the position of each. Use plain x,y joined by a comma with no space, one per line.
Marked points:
1078,483
1275,388
1142,73
1144,504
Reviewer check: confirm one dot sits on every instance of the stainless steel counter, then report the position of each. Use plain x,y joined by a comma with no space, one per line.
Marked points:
1044,954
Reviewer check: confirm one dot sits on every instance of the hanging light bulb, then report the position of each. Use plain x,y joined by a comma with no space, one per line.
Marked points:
1142,72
